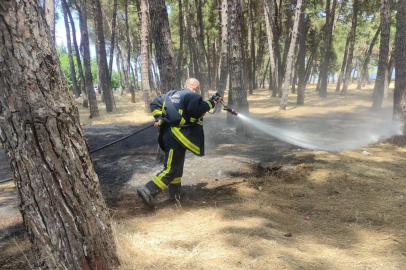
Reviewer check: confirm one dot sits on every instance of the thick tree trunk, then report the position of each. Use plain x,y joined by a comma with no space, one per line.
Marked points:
102,67
290,57
327,47
163,44
49,8
367,58
347,78
144,55
94,110
301,58
69,45
60,199
381,74
238,92
399,99
272,83
221,87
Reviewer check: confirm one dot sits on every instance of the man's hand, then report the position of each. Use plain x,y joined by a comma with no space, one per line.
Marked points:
156,124
217,101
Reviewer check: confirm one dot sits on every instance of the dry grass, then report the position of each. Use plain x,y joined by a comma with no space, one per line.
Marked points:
354,204
125,113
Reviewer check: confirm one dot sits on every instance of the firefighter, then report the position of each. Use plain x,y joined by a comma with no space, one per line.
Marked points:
179,114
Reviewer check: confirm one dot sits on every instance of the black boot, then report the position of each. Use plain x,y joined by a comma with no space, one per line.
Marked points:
175,192
147,196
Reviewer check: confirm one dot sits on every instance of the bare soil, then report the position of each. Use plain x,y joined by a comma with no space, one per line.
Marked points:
251,203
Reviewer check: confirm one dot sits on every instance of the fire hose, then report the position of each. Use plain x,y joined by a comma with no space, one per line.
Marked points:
216,96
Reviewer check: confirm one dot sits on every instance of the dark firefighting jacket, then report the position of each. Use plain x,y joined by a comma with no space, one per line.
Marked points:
182,111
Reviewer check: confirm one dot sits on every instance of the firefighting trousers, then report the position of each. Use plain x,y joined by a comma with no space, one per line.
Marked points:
172,173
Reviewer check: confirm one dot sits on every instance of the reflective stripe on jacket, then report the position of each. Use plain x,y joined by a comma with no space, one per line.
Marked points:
183,107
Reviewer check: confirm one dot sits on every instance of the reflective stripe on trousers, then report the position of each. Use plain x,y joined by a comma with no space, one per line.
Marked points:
174,161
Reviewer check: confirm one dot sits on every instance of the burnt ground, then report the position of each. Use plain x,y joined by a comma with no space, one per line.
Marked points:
130,163
353,204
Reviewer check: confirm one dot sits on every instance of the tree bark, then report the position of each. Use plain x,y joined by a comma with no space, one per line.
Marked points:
163,44
381,74
399,99
60,198
69,45
238,92
49,8
348,69
290,57
144,55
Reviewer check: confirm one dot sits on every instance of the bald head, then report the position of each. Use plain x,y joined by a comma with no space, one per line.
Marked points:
192,84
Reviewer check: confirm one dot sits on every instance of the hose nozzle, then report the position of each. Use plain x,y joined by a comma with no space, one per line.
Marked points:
232,111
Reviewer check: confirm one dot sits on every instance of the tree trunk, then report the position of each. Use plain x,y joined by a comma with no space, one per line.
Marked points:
381,74
239,94
180,54
327,47
276,32
250,50
69,45
102,67
221,87
203,76
49,8
367,58
163,44
391,65
344,64
78,59
60,198
301,58
144,55
347,78
113,38
290,57
272,83
399,99
120,81
127,63
94,110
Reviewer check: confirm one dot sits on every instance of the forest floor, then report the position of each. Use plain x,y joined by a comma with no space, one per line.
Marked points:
251,203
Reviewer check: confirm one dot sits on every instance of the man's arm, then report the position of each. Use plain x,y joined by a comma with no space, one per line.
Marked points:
196,106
